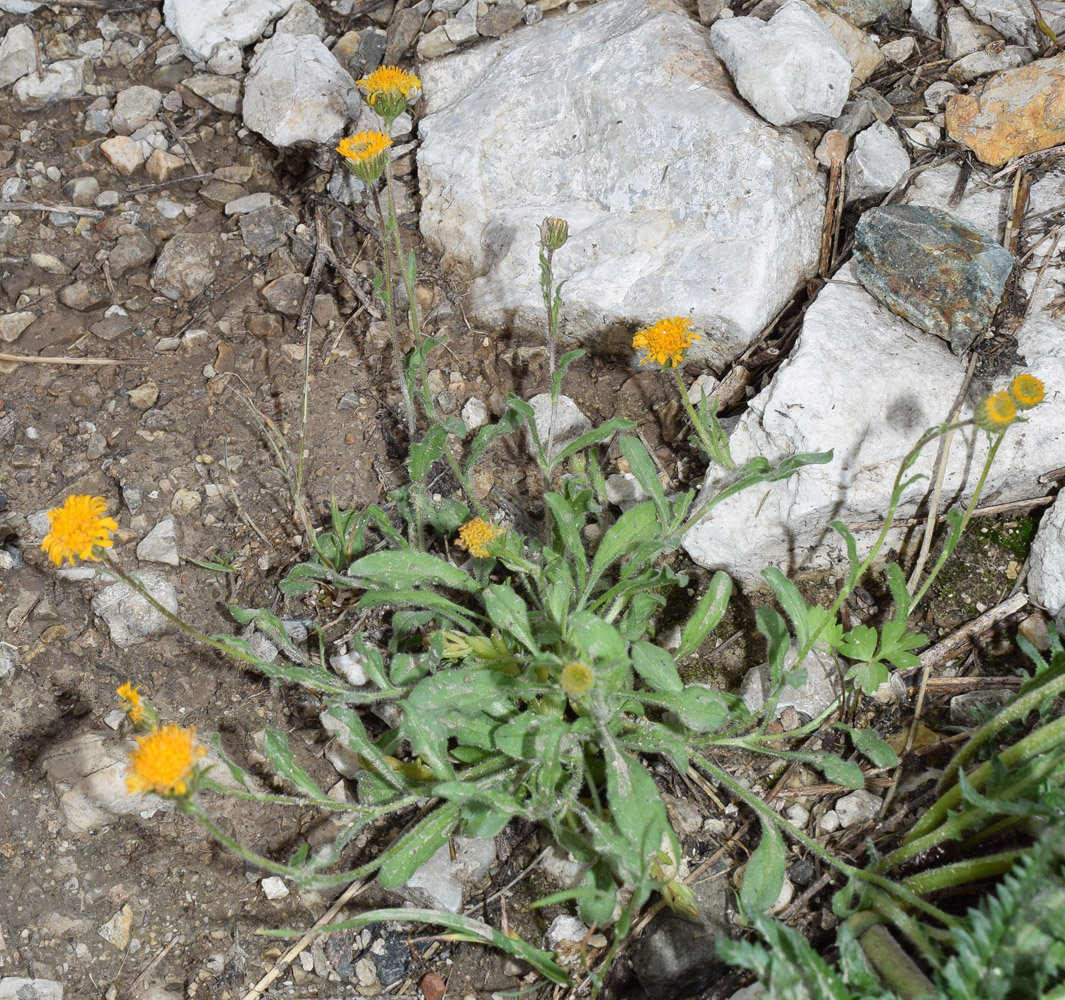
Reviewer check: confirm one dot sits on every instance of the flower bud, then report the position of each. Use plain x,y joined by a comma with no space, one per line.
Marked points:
553,233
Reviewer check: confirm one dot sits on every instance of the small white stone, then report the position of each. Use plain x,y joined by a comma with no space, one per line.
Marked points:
564,928
557,424
350,667
829,822
797,814
858,807
474,414
274,887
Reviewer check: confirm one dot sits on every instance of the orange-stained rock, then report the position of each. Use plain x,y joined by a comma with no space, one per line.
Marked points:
1014,112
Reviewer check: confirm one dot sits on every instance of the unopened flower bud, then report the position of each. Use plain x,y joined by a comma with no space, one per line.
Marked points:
553,233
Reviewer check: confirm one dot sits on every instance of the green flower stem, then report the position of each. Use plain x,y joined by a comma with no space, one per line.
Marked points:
237,654
889,887
715,449
895,967
966,517
856,575
934,826
962,872
390,312
190,807
547,283
1053,684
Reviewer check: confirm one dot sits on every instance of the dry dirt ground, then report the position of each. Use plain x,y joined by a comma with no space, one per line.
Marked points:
195,451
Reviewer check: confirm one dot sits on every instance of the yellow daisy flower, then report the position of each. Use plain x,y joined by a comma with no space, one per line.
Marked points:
164,762
996,412
1027,391
666,341
389,90
475,536
367,152
131,702
79,527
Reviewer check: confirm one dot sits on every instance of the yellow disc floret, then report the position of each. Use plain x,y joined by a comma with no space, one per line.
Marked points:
577,679
164,761
78,528
1026,391
666,341
996,412
475,536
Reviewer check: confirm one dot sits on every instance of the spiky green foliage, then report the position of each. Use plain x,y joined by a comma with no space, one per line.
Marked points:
1014,945
790,969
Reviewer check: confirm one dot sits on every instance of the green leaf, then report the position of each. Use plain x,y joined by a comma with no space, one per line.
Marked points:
852,552
657,667
896,643
276,748
508,613
699,708
423,453
643,468
568,523
769,622
345,724
870,746
628,531
426,599
868,676
301,579
591,438
859,643
763,878
707,614
897,584
838,772
486,435
418,845
408,571
567,359
792,603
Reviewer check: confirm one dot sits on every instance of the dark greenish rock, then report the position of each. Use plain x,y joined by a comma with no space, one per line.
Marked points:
933,269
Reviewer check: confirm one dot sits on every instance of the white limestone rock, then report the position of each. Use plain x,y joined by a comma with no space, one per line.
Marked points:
811,698
962,35
297,92
203,25
1013,18
865,383
128,615
876,163
17,56
441,881
61,81
1046,573
678,198
790,68
556,426
858,807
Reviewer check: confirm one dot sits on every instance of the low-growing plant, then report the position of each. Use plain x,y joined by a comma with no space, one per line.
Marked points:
523,679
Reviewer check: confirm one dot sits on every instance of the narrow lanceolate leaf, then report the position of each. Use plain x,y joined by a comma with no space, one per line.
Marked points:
408,570
707,614
657,668
508,612
792,603
763,878
871,746
276,748
418,845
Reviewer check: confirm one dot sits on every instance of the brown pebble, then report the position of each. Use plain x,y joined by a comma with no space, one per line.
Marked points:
433,986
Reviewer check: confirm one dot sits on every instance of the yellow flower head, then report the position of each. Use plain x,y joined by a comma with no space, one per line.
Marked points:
131,702
577,679
475,536
996,412
79,527
1027,391
389,90
367,152
553,233
666,341
164,762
